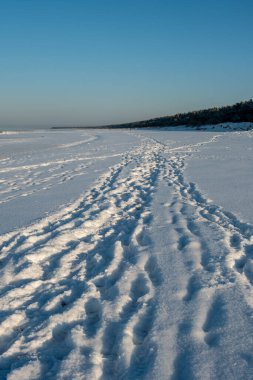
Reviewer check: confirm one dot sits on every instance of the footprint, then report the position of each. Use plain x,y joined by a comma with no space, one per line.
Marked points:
248,270
235,241
240,263
139,287
60,332
193,287
183,242
143,326
153,270
93,310
249,251
143,238
216,319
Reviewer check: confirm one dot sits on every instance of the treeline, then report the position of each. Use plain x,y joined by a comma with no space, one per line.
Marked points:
239,112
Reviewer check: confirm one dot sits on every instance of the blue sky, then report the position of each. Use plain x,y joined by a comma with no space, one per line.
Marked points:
74,62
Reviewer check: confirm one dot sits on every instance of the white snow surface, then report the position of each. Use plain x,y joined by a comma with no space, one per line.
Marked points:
126,254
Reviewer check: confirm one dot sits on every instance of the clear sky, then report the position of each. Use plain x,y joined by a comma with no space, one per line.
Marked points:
89,62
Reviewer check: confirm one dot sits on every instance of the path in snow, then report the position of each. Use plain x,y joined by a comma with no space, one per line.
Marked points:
204,322
140,278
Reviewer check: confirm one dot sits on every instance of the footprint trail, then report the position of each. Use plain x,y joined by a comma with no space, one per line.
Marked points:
142,277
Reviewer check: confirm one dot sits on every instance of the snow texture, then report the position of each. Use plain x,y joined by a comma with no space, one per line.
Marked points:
121,259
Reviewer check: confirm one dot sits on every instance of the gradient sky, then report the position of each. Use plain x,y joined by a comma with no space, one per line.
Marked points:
90,62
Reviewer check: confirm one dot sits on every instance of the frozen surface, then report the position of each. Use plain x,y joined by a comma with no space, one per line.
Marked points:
126,255
224,172
41,171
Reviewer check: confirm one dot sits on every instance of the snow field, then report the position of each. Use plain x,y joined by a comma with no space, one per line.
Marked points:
141,277
80,265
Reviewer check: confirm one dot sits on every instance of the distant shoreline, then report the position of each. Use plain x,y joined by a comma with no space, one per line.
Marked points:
196,120
238,113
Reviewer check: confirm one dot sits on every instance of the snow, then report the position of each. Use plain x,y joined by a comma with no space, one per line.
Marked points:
225,173
48,169
126,254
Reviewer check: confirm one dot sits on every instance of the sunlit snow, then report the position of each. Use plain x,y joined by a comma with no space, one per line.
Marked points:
126,254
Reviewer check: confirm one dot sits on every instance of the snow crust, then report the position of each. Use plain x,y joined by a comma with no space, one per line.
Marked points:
126,255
